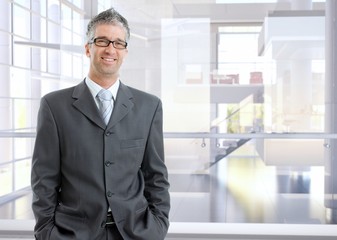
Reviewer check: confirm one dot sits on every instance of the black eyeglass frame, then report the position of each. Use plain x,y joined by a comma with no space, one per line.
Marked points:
107,41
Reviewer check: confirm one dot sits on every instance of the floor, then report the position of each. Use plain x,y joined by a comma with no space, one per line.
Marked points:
238,189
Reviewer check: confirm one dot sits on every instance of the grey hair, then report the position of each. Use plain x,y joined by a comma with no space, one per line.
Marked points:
109,16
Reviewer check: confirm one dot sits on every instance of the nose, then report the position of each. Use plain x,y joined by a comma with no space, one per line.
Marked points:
110,48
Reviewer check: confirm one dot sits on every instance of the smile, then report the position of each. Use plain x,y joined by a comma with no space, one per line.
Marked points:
109,59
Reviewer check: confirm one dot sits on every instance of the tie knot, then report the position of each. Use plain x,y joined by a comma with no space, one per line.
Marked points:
104,95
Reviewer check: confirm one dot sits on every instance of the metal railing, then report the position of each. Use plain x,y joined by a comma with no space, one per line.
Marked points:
23,229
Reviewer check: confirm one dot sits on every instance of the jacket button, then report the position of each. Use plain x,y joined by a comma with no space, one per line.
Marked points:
107,163
108,133
110,194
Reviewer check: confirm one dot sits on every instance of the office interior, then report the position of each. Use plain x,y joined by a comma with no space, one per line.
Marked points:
248,92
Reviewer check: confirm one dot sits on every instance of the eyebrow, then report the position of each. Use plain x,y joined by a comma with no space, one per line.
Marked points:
104,37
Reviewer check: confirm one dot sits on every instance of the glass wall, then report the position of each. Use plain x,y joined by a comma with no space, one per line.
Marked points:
41,52
243,97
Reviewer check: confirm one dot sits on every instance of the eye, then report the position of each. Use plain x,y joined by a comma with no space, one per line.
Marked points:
102,41
120,44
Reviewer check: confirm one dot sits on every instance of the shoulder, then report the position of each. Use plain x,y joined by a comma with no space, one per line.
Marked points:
59,98
59,93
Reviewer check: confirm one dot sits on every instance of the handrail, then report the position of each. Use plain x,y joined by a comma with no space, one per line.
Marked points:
17,134
285,135
23,229
272,135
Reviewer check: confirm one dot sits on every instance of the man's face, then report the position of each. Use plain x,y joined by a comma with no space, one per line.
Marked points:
106,61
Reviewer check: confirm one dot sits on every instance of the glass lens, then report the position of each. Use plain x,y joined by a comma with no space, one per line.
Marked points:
119,44
102,42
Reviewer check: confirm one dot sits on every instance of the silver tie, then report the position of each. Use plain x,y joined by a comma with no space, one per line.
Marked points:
105,106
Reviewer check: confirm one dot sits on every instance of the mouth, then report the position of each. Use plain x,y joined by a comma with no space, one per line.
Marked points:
108,59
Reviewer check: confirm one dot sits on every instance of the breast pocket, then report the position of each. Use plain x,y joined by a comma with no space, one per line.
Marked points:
132,150
132,143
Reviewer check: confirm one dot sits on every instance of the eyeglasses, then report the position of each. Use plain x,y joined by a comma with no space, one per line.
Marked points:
103,42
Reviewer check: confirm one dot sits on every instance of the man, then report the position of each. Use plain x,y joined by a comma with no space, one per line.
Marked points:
95,180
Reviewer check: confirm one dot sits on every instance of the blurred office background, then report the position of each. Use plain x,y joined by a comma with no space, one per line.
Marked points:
247,89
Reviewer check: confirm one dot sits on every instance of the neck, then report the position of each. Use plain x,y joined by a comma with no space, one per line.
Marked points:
104,82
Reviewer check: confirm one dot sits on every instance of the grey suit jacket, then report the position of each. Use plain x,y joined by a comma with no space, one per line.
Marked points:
80,167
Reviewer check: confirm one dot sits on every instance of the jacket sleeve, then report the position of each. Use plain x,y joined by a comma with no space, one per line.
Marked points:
45,177
155,172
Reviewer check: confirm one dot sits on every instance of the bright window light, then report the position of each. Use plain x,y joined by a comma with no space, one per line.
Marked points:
244,1
252,1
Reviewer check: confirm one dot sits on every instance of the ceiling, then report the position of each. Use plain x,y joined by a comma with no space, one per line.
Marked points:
145,16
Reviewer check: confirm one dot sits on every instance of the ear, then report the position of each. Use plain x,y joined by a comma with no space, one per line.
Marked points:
87,50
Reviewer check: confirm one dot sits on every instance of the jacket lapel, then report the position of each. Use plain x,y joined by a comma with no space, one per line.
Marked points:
122,105
85,103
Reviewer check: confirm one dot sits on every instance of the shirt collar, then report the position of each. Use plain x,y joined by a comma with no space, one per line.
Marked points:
95,88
